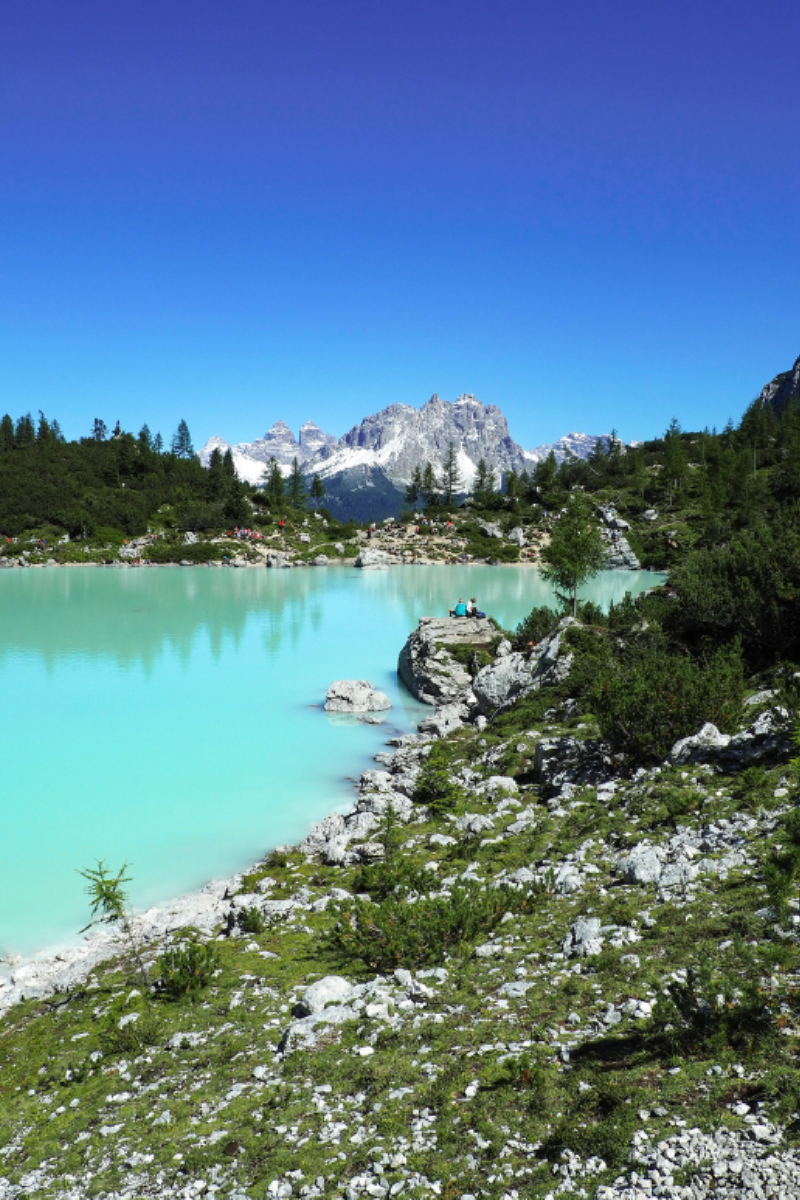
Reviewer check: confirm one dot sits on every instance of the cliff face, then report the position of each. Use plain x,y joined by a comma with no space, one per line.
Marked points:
366,472
783,387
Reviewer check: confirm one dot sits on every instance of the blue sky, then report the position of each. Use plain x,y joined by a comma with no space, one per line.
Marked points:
234,212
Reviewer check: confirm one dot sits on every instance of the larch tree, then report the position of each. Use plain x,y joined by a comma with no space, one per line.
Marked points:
576,551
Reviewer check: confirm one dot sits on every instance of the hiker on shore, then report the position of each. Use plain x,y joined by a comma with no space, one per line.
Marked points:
460,609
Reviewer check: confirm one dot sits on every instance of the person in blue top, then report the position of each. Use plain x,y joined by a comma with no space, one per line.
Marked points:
460,609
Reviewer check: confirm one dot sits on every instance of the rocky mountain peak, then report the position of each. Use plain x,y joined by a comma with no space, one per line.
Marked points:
783,387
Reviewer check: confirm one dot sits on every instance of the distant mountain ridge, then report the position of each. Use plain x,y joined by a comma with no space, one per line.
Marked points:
366,471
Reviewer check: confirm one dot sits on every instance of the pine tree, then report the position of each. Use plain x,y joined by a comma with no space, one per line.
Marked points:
217,479
99,430
182,442
430,488
296,489
675,463
273,483
545,473
576,551
317,491
414,488
56,431
484,481
158,443
6,433
451,476
512,485
44,433
24,434
145,438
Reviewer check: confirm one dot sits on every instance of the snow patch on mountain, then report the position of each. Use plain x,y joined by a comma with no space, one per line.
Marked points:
382,451
574,445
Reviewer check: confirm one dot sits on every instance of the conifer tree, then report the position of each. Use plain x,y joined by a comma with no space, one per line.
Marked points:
99,430
414,488
317,490
576,551
451,476
296,489
273,483
24,434
6,433
182,442
430,489
484,481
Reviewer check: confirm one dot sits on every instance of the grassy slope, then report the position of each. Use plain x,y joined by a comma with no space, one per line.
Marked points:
467,1088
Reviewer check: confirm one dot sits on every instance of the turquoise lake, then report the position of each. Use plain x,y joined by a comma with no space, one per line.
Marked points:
172,717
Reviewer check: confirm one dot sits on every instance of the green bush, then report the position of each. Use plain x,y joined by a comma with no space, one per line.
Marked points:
251,920
537,625
655,696
436,787
186,970
749,588
710,1011
400,932
134,1036
395,873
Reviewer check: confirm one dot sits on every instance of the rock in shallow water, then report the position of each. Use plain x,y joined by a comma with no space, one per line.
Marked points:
355,696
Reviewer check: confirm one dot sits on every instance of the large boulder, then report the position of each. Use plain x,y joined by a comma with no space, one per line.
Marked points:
766,739
427,669
642,865
512,676
355,696
333,989
620,557
374,560
490,529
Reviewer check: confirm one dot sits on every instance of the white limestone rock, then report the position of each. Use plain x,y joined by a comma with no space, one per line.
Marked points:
355,696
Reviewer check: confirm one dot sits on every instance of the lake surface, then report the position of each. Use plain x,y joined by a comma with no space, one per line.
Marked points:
171,717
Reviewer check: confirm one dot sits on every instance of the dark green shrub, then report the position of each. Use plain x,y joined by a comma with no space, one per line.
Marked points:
603,1124
709,1011
537,625
655,696
251,920
782,869
400,932
748,589
186,970
395,873
436,787
134,1036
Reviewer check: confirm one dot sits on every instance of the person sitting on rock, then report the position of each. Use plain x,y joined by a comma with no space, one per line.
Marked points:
460,609
472,608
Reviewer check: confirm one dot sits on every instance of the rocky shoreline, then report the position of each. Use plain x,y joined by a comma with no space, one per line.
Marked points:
571,824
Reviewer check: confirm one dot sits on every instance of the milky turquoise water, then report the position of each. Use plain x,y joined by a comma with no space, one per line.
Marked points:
171,717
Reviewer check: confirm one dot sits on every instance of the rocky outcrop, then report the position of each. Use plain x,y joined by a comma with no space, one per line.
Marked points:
426,668
766,739
512,675
355,696
620,557
375,560
783,387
